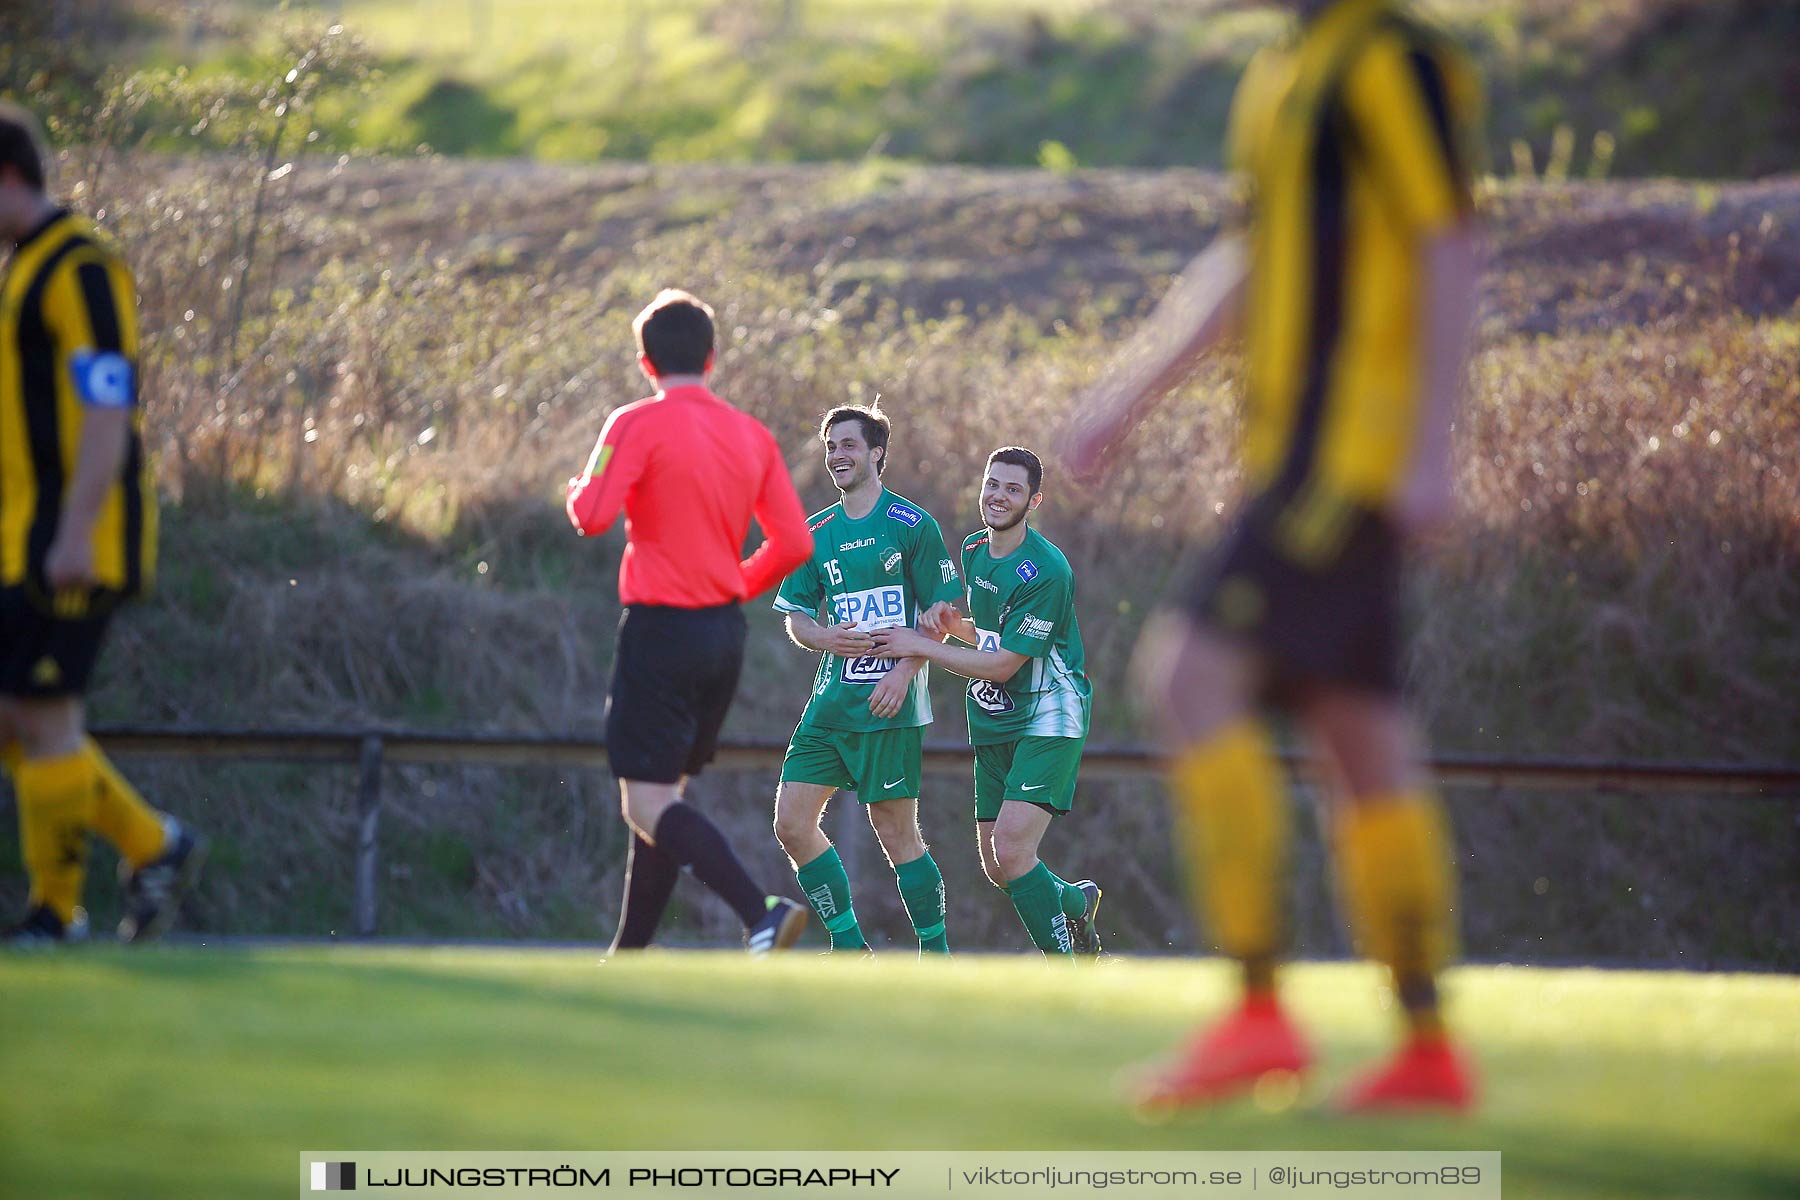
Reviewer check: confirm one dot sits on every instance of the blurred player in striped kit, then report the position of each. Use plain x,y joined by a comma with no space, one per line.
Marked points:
1353,289
77,541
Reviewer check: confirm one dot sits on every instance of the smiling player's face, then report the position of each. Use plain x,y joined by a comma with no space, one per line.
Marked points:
848,458
1006,497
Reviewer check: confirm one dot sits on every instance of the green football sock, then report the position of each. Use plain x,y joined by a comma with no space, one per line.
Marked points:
1074,903
922,891
827,888
1038,900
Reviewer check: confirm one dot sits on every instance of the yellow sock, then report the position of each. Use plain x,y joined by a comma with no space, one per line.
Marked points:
121,816
1232,817
56,801
1399,891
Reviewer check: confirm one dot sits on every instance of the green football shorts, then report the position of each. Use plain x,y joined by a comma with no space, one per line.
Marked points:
1037,770
882,764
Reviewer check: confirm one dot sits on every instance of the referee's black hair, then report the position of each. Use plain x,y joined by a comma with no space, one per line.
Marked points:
675,332
1019,456
22,145
874,423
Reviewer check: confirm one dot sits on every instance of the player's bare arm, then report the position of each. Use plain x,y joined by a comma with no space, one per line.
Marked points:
962,629
845,641
887,696
1197,314
943,622
939,619
1450,267
105,433
996,666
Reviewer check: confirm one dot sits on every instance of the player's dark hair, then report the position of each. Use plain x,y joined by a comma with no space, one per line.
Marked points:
874,424
1019,456
22,145
675,332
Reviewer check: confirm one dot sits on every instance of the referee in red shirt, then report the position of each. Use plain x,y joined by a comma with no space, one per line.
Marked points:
689,471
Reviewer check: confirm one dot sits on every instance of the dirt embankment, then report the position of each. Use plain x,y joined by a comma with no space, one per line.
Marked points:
426,348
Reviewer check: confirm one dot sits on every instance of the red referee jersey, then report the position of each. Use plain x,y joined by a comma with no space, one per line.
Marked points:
689,471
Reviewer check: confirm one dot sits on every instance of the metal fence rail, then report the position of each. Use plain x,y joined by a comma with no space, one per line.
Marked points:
372,749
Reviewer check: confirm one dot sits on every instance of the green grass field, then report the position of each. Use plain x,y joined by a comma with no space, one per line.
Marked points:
194,1072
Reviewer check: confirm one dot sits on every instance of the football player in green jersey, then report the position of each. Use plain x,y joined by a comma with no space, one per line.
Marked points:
878,561
1029,699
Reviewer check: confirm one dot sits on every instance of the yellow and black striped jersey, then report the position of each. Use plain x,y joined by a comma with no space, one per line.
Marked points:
1356,140
69,344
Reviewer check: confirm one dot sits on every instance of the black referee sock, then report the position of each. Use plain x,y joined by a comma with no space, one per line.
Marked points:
686,836
649,882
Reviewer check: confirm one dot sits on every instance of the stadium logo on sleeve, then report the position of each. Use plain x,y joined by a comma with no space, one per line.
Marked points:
334,1177
1028,570
102,379
906,514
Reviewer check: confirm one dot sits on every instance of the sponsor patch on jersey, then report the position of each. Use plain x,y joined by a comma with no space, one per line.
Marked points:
990,697
947,569
906,514
1028,570
875,608
822,522
986,585
866,668
1035,627
856,545
103,379
597,461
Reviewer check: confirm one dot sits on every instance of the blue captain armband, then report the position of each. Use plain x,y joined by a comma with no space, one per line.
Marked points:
104,379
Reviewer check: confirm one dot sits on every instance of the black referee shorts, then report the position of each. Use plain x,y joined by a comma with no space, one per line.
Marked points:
674,674
45,655
1335,621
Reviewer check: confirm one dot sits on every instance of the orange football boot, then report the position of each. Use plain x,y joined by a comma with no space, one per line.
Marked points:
1227,1060
1426,1075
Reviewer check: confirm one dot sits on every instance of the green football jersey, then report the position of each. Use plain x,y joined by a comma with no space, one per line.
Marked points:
1025,603
876,573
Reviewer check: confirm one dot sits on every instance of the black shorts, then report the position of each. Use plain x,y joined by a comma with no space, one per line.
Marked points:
1334,622
674,674
44,656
